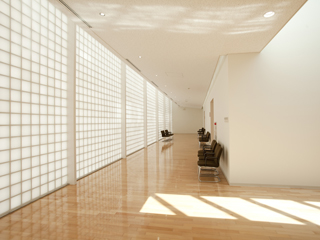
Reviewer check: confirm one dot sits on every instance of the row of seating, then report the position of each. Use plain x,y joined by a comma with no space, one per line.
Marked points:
166,135
201,131
202,136
209,158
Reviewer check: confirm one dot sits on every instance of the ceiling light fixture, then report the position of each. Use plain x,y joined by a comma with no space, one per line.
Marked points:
156,75
268,14
139,56
102,14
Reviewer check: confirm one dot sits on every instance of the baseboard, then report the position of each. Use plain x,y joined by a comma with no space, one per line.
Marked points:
225,175
271,185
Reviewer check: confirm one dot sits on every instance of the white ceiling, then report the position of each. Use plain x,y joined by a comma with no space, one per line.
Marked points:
181,40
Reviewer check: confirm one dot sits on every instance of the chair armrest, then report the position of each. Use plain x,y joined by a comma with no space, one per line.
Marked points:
206,146
204,139
209,153
210,158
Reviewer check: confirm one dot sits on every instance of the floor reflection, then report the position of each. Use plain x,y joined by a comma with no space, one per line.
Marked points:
154,194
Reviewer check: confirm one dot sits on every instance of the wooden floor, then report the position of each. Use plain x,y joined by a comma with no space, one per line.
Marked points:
155,194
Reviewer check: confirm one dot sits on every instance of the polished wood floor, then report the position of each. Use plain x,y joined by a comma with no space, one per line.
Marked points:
155,194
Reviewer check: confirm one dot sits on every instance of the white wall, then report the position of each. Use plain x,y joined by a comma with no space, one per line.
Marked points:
219,92
274,106
186,120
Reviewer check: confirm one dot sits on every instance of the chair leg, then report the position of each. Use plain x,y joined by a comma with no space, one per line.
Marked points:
214,175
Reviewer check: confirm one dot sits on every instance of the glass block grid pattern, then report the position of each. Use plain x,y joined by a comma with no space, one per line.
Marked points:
160,113
98,105
151,114
167,113
33,106
134,111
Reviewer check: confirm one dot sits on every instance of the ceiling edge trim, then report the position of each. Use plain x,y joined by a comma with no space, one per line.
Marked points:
75,13
133,65
154,84
283,26
90,30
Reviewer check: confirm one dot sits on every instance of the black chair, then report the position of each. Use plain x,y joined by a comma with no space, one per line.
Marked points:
207,148
204,138
209,164
165,136
169,134
201,132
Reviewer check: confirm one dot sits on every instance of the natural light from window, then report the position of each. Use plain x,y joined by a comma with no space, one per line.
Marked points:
250,210
153,206
193,207
234,208
293,208
313,203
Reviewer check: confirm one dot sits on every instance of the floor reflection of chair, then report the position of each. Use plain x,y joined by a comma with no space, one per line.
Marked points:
166,146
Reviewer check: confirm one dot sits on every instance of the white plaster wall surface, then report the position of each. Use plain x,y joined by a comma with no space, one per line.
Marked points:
219,93
186,120
275,107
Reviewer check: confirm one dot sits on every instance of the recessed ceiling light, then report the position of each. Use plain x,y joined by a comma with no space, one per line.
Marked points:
268,14
139,56
102,14
156,75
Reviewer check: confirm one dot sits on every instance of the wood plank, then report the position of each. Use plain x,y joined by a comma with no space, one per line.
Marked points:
107,204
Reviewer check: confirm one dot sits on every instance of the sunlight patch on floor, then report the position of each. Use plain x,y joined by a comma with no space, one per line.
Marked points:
153,206
193,207
263,210
250,210
317,204
294,208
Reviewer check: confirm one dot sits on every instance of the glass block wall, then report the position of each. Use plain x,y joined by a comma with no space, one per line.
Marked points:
151,114
33,103
98,104
134,111
33,107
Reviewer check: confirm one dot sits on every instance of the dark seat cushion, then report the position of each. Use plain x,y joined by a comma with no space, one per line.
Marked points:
201,152
211,163
201,157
